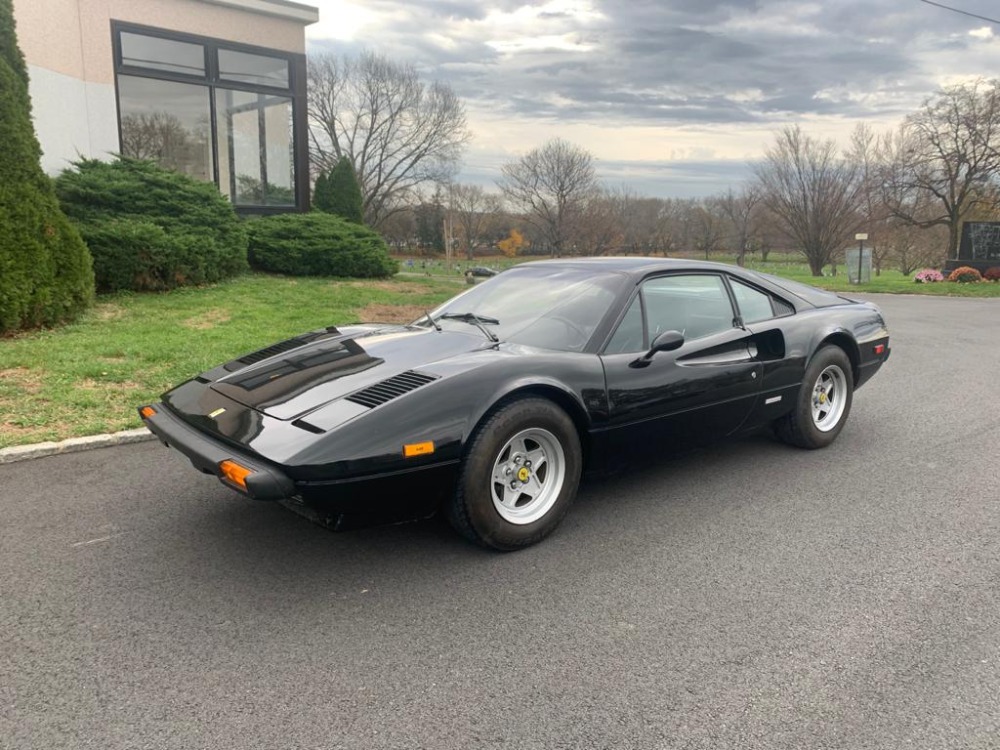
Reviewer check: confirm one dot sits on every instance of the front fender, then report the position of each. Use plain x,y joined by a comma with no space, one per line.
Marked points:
447,412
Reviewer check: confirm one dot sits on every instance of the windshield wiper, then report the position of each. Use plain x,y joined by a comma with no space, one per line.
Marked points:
479,321
432,321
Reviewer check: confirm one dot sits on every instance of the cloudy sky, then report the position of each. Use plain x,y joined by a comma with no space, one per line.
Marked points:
673,97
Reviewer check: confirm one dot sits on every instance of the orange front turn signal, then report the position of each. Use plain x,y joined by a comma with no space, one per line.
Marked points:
147,411
235,474
418,449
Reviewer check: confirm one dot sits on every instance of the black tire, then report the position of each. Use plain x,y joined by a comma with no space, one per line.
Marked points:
473,510
799,427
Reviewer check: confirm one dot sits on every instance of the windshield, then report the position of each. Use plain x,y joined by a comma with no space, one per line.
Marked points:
547,307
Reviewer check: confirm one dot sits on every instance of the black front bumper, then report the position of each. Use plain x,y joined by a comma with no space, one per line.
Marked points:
266,482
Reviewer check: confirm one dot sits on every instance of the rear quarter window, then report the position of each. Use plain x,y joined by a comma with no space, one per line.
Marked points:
812,295
756,305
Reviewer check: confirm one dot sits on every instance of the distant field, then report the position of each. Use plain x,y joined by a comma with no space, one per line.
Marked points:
788,265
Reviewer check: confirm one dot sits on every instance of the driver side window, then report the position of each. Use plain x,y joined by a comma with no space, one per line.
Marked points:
695,305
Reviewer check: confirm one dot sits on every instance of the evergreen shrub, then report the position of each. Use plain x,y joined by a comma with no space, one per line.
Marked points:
317,244
338,192
45,269
150,228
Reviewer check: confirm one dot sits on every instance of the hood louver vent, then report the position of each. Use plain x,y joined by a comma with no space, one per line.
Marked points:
387,390
283,346
261,354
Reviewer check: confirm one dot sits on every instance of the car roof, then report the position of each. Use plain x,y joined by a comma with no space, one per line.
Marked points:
639,267
634,266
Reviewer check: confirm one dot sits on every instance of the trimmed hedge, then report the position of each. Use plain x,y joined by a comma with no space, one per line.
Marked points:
992,274
150,228
45,269
140,255
317,244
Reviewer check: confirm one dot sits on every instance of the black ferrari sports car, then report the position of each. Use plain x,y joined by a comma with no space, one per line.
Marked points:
492,406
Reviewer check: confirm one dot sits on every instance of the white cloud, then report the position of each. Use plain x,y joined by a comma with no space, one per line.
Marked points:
564,42
661,81
341,19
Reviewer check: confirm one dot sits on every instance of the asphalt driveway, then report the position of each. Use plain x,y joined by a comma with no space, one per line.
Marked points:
748,595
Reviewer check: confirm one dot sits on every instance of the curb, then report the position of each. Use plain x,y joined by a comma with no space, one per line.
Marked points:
73,445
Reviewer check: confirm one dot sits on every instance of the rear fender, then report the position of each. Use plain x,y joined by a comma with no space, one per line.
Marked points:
843,339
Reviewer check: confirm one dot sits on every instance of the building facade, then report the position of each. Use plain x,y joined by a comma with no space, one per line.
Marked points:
215,89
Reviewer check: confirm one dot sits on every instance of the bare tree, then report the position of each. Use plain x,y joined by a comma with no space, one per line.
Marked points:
598,229
948,151
674,227
709,224
867,152
550,186
475,211
399,229
153,135
398,132
813,192
637,219
911,247
742,210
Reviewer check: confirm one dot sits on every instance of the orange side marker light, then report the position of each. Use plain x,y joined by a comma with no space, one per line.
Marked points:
147,411
418,449
235,473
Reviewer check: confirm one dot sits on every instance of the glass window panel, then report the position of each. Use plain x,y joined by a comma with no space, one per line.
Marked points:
280,153
162,54
166,122
629,336
694,305
754,305
256,165
552,308
257,69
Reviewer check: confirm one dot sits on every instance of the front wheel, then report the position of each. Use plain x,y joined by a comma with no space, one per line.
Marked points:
823,403
519,476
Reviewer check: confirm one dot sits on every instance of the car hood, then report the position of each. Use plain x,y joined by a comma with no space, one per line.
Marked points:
354,362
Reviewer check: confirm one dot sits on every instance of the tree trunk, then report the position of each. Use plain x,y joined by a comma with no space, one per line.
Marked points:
816,266
954,238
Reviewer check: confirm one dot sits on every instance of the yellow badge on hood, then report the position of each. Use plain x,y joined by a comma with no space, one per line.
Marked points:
217,412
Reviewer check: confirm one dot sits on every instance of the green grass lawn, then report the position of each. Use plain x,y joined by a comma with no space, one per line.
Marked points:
87,378
889,281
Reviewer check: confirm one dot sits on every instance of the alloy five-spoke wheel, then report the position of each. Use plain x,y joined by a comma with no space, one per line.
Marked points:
527,476
823,401
829,397
519,475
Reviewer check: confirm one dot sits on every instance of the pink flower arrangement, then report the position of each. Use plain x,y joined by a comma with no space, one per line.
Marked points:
928,276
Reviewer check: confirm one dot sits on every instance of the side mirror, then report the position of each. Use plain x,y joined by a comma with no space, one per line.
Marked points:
665,342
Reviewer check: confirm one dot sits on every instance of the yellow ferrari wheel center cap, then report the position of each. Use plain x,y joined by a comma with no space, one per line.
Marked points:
523,473
822,398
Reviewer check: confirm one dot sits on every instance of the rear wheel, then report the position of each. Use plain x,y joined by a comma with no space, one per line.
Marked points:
519,477
823,404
